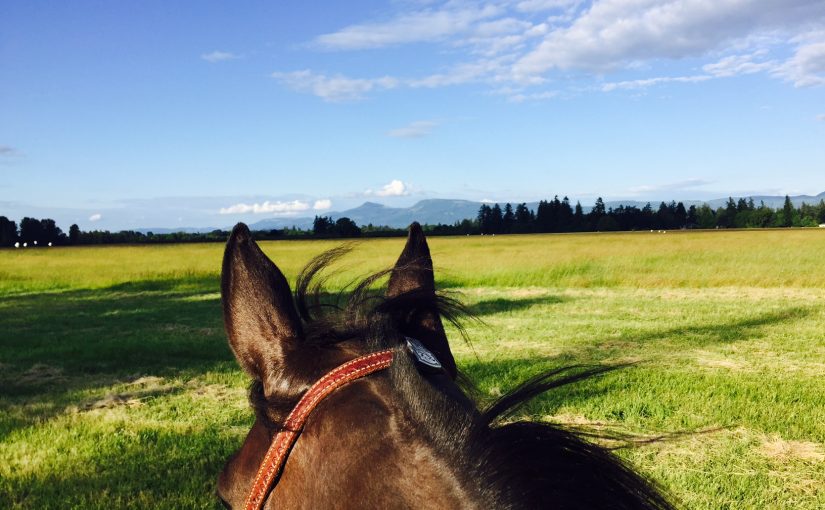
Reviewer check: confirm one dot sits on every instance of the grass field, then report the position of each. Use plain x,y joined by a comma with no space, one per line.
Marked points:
117,388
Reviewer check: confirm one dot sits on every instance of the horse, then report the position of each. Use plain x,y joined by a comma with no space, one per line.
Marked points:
402,432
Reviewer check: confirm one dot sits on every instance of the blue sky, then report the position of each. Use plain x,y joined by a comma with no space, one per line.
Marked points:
155,113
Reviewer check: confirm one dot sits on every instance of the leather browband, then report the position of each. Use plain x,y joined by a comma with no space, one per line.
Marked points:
279,449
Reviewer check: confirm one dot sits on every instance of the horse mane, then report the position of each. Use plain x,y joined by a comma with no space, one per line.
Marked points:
520,464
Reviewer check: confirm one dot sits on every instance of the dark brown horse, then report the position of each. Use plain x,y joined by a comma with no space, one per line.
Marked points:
404,437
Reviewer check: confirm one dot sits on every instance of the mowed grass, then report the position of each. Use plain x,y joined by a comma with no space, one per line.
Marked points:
117,388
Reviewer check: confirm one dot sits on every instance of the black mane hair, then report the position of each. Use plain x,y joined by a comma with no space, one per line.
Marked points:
520,464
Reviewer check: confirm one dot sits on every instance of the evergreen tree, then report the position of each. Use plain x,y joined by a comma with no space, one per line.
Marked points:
523,219
680,216
692,217
496,219
787,212
508,219
578,217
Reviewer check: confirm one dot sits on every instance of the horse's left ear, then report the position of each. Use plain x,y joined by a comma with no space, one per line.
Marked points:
413,272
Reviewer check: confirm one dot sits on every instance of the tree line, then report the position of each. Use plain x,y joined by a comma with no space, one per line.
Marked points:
559,216
549,216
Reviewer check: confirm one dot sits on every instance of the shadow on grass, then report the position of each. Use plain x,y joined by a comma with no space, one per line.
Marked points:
509,305
727,332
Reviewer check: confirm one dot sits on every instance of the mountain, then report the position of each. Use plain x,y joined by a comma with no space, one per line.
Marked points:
430,211
447,211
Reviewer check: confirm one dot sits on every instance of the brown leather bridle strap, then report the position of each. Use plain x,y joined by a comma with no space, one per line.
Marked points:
279,449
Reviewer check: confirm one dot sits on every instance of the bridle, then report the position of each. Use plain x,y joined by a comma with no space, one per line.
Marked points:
278,451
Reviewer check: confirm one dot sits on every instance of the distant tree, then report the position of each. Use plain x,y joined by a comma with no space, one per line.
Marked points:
665,216
726,216
496,219
692,220
680,216
706,217
484,217
578,217
508,219
31,230
345,227
763,216
565,216
787,212
598,208
74,234
8,232
51,233
322,225
523,218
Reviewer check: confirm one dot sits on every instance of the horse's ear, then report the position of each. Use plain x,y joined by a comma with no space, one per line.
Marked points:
413,272
258,311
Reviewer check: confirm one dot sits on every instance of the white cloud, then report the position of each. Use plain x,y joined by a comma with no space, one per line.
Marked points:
417,129
523,43
95,217
219,56
8,151
394,188
333,88
807,65
322,205
821,117
421,26
649,82
279,208
614,33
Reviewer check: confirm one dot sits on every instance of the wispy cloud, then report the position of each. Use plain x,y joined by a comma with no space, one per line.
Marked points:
417,129
219,56
821,117
95,217
671,186
8,151
734,65
395,188
427,25
806,68
284,208
649,82
333,88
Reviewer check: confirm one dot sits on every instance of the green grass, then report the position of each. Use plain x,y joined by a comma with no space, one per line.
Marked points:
118,389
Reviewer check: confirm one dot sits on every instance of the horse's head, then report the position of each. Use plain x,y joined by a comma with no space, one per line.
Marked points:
405,437
355,434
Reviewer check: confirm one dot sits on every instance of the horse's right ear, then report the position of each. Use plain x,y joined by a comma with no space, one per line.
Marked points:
258,311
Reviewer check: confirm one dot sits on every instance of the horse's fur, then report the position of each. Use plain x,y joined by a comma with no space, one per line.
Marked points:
394,439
